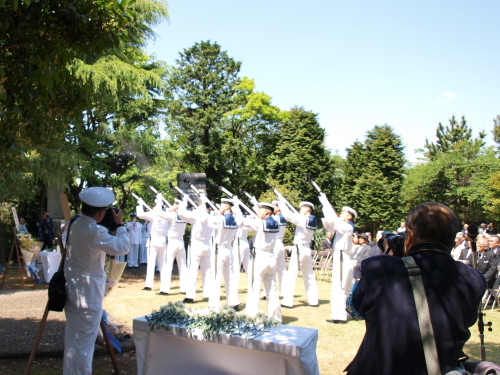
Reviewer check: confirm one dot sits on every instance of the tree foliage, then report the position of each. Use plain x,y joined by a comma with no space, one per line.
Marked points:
373,178
300,152
449,136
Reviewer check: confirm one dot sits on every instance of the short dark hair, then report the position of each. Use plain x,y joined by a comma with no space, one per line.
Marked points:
91,210
435,222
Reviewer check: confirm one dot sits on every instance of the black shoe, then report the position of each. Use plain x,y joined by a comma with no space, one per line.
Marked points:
316,305
264,298
336,321
236,307
188,300
163,294
146,288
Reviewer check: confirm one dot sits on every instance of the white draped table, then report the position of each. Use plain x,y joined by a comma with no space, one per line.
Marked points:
283,350
50,263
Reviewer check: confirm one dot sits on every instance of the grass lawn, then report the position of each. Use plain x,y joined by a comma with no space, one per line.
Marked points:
337,344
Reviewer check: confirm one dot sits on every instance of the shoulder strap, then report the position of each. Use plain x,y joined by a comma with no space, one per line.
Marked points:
424,318
72,220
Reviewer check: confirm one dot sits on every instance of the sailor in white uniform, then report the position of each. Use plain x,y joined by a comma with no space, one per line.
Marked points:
342,279
134,230
301,258
87,246
175,247
226,226
199,255
143,250
157,242
262,268
279,247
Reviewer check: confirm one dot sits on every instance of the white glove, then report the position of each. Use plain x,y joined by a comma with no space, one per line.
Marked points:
323,199
184,203
204,199
236,206
140,202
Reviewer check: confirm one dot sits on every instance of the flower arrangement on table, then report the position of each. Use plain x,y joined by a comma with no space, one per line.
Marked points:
207,324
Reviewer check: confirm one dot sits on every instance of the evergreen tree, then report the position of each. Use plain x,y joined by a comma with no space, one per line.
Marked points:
374,177
449,136
300,153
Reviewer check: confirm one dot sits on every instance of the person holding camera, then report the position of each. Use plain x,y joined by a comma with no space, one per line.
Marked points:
46,231
384,297
86,248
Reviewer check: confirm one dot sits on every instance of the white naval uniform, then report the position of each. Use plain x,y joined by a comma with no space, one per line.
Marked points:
342,245
304,231
134,230
143,250
226,227
157,245
279,251
199,255
262,268
85,284
241,254
175,250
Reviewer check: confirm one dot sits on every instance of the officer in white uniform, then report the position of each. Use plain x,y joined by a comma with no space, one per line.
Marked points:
143,250
134,230
279,247
262,268
226,226
87,246
342,268
175,247
305,223
199,254
157,242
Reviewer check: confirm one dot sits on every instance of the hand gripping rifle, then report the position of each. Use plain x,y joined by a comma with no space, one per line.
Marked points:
139,199
251,198
200,194
472,232
278,194
231,195
162,198
314,184
178,189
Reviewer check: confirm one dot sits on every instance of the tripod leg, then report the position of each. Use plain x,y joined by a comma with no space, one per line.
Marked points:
109,347
37,340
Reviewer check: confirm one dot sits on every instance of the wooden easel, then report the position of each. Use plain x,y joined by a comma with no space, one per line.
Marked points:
44,321
16,247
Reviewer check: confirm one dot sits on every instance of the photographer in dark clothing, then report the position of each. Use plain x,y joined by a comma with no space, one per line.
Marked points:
46,231
384,297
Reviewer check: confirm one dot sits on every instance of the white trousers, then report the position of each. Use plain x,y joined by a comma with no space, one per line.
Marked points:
133,256
279,252
224,268
340,289
175,250
199,257
308,276
143,252
156,255
82,325
242,251
264,272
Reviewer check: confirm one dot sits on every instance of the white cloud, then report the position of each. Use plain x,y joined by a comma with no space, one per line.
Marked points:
444,98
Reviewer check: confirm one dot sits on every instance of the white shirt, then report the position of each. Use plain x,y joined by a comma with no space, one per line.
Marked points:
333,223
303,235
201,229
134,232
177,226
263,240
159,227
85,256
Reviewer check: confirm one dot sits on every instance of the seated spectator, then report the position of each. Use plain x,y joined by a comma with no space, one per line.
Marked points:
326,244
456,252
494,243
491,229
364,252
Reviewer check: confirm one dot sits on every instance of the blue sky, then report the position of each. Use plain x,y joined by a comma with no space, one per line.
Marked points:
408,64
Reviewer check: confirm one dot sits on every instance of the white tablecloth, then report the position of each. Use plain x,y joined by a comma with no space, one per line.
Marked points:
50,263
285,350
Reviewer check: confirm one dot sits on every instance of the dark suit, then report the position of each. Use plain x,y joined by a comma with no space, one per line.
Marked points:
392,343
363,253
326,244
487,265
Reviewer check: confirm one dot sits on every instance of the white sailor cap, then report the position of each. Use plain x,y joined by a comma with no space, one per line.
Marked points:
97,196
226,201
351,211
307,204
265,205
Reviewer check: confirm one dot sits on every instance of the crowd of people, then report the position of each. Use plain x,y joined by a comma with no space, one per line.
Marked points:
378,286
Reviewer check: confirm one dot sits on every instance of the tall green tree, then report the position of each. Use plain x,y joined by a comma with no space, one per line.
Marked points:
374,173
301,152
449,136
222,126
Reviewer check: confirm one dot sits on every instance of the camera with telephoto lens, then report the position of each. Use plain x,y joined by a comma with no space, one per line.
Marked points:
109,220
395,243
